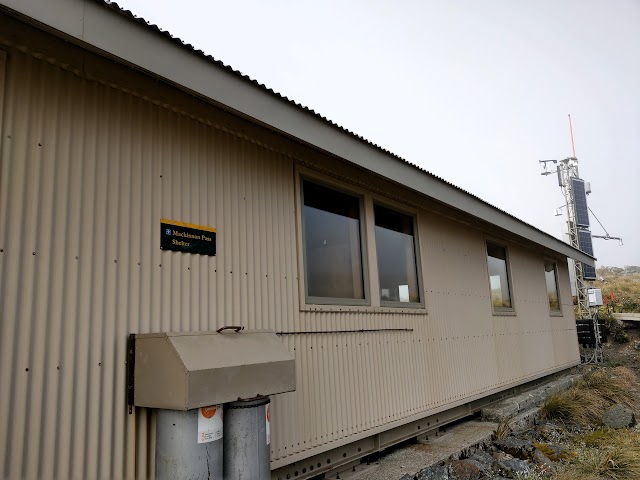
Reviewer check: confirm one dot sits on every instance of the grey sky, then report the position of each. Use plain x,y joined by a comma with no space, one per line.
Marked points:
473,91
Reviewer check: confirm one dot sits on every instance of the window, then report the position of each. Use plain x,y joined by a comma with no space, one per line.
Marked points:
395,245
499,278
551,278
332,245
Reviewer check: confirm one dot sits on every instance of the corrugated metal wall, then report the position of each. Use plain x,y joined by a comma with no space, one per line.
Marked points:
88,170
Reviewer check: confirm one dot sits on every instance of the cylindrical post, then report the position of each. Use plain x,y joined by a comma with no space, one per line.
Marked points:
246,440
188,446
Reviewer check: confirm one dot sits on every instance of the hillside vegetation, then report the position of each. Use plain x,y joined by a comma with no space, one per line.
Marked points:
624,283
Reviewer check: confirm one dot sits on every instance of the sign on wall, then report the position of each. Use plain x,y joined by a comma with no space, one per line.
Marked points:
187,237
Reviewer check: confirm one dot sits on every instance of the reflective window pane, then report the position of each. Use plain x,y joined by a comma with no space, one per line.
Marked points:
552,286
333,256
395,245
498,277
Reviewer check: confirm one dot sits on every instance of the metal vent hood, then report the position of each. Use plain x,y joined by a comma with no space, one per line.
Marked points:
182,371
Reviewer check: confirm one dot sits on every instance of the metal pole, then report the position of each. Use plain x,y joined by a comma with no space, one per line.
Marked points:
179,454
246,440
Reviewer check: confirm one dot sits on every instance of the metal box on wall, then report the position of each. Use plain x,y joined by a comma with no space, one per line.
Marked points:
181,371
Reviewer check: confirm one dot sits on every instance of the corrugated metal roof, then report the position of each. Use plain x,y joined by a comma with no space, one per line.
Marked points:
128,13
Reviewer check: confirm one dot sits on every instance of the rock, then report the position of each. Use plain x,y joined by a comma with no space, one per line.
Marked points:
499,455
406,476
434,472
544,463
513,467
522,449
618,416
483,459
464,470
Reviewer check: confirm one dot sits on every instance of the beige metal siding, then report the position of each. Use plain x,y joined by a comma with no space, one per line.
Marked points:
88,170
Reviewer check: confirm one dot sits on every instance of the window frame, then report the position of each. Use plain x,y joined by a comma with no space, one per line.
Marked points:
500,311
552,313
314,300
369,256
416,255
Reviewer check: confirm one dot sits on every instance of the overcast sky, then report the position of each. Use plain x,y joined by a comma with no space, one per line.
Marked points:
474,91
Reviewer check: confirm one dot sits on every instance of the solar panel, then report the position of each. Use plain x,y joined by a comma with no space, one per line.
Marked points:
584,240
580,201
586,245
588,272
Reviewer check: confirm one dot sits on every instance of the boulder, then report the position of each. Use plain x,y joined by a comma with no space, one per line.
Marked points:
513,467
483,459
464,470
517,447
618,416
544,463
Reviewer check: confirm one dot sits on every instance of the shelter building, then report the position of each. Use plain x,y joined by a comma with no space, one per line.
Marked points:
406,301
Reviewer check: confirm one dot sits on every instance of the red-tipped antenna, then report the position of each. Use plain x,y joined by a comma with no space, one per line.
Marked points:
573,147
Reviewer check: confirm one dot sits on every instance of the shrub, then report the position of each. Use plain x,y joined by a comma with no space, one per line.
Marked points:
615,328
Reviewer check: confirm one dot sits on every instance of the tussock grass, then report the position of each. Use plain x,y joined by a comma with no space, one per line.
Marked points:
502,431
574,475
599,437
585,402
613,385
576,405
601,454
605,454
611,462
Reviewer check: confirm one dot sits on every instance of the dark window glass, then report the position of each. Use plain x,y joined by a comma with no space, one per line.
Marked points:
395,245
498,277
333,253
552,286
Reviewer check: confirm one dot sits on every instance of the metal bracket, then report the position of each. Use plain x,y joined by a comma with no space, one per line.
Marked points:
131,364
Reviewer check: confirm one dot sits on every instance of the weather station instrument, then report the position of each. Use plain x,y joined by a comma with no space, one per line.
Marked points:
575,191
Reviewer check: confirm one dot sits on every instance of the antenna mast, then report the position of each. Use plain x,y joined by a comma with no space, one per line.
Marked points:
573,147
575,192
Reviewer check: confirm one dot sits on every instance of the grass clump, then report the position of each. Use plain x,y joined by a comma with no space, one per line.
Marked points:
574,475
599,437
575,405
613,385
585,402
604,454
502,431
529,476
614,460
